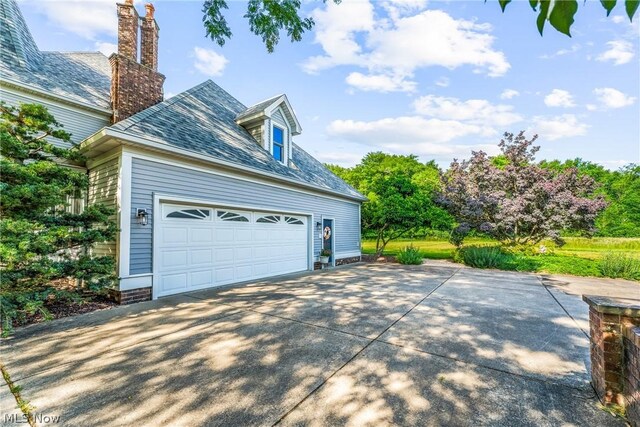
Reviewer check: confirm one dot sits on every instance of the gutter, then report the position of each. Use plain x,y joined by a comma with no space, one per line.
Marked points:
105,134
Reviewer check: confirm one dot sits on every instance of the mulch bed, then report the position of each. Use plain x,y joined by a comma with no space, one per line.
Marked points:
59,309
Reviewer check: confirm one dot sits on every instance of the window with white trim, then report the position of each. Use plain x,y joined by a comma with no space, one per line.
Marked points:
278,144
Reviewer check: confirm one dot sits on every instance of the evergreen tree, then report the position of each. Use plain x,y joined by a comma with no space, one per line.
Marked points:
42,246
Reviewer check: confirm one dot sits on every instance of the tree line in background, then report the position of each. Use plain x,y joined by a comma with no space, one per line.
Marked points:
509,197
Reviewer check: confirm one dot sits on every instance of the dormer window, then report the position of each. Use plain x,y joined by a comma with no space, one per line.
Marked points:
278,143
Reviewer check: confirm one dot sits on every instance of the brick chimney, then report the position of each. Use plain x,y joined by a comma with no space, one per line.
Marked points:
149,39
128,30
135,86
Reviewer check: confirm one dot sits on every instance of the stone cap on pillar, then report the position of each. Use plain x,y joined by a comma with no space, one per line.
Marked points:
620,306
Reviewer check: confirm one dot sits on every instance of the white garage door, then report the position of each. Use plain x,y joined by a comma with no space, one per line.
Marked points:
199,247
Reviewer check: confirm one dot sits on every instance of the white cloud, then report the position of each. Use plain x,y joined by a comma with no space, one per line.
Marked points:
209,62
559,98
592,107
352,34
380,83
443,82
562,52
564,126
106,48
613,98
88,19
474,111
509,93
412,135
620,52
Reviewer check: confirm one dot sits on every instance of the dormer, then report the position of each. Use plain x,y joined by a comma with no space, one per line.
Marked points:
272,123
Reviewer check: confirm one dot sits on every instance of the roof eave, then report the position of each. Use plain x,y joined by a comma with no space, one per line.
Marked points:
62,99
99,143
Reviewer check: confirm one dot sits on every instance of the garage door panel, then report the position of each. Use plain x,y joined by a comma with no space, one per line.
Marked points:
173,235
224,235
224,275
243,254
174,282
201,256
201,235
173,259
224,255
244,235
201,247
201,278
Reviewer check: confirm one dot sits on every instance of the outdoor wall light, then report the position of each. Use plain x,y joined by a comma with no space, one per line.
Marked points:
142,216
318,226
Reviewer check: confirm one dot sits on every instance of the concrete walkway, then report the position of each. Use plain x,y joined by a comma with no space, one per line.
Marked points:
376,344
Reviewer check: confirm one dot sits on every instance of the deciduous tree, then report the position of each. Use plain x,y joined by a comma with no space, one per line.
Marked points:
267,18
516,201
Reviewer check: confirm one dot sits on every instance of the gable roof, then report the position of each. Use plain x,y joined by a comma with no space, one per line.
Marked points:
203,120
82,77
266,108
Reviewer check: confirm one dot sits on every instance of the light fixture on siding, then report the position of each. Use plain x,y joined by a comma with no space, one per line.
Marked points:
142,216
318,225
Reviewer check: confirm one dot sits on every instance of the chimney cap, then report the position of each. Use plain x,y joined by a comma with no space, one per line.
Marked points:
150,10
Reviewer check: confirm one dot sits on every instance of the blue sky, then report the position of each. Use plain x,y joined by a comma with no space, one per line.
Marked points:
433,78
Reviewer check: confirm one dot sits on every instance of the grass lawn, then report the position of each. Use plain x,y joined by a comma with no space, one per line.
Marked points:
579,256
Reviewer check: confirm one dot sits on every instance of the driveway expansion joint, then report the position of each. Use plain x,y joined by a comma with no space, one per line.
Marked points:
360,351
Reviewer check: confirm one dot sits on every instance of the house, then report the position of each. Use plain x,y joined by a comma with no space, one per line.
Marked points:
208,191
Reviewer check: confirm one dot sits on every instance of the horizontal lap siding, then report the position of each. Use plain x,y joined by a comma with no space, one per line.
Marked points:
75,121
103,188
150,177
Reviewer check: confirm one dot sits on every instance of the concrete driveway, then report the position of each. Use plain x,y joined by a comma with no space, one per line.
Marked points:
376,344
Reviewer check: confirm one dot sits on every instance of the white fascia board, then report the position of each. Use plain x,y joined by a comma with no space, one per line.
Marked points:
105,134
297,129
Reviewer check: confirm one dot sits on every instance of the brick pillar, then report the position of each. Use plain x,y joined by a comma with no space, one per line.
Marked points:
149,39
128,30
613,349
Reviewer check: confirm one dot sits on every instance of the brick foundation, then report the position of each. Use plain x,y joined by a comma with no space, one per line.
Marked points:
615,352
383,258
349,260
131,296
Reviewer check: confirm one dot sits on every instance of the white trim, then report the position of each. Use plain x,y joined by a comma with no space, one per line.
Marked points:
158,199
333,238
136,281
103,135
145,155
58,101
276,104
123,244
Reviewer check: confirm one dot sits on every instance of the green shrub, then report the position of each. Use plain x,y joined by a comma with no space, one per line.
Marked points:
484,257
409,255
618,265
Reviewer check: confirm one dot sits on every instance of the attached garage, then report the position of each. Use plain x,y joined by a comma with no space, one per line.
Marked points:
198,246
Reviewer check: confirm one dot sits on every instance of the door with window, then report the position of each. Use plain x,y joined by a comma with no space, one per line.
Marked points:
327,237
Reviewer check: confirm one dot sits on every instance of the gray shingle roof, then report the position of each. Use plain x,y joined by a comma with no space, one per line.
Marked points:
78,76
202,120
257,107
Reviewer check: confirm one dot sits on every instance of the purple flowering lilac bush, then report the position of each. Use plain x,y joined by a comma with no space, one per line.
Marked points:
515,201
